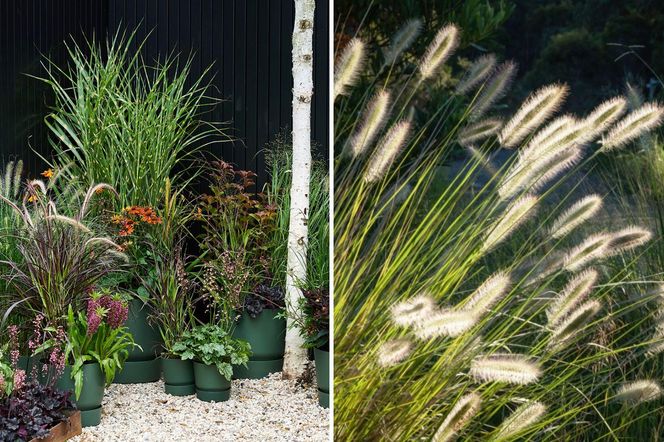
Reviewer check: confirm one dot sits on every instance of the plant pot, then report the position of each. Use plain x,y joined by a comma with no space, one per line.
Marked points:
178,377
142,365
210,384
64,430
26,363
267,336
92,393
322,358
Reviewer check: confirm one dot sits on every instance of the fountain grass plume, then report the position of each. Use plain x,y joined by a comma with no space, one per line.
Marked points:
494,89
627,239
522,418
594,247
577,214
568,329
508,368
638,392
444,323
458,417
402,40
604,115
478,131
515,215
635,124
547,137
413,310
478,71
533,112
487,294
394,351
387,150
574,293
348,66
439,50
373,121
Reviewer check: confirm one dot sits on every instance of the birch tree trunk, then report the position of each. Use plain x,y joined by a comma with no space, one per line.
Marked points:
295,356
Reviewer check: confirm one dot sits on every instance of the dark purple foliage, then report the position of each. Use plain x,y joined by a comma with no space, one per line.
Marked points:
264,297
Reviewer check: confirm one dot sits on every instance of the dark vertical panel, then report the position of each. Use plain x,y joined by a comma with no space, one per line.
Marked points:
228,78
263,90
251,85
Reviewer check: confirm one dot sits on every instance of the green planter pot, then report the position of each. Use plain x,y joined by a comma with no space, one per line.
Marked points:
267,336
142,365
26,363
210,384
178,377
322,358
92,394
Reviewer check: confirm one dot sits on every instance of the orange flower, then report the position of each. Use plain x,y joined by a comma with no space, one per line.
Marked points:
48,173
117,219
32,198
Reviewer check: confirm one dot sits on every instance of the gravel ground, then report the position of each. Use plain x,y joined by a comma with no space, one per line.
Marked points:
269,409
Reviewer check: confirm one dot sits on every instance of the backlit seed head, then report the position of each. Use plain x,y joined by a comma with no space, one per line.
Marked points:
414,310
373,121
394,351
505,367
442,46
458,417
533,112
488,294
628,238
594,247
444,323
402,40
515,215
494,89
638,392
574,293
387,151
568,329
478,131
523,417
604,116
635,124
481,68
548,138
348,66
577,214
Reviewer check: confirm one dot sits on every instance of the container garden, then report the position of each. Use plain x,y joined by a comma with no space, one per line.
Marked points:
210,384
322,358
92,393
143,364
64,430
267,336
178,376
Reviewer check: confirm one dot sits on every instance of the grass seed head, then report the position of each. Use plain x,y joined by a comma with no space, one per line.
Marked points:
594,247
414,310
394,351
515,215
604,116
387,151
481,68
402,40
458,417
628,238
444,323
348,66
577,214
479,131
505,367
494,89
638,392
442,46
635,124
574,293
523,417
488,294
373,121
568,329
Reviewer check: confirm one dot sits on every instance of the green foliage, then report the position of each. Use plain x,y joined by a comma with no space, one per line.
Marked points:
212,345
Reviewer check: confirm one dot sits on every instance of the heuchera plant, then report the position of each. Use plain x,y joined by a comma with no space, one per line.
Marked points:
212,345
264,297
316,317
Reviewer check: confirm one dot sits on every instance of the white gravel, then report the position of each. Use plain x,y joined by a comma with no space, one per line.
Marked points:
269,409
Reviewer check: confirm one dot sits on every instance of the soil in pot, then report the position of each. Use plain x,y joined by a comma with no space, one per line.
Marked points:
210,384
92,393
178,376
322,358
267,336
143,365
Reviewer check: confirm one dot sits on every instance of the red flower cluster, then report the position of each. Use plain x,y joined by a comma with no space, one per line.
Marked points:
134,215
146,214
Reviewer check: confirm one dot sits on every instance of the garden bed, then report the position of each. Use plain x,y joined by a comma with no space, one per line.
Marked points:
259,409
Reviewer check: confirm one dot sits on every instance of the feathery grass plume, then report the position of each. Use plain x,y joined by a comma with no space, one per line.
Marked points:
553,165
533,112
394,351
594,247
18,172
38,184
387,150
67,220
487,294
494,88
577,214
478,131
458,417
604,116
402,40
444,323
478,72
442,46
638,392
657,346
556,136
574,293
374,120
516,214
569,328
348,66
628,238
635,124
412,310
523,417
505,367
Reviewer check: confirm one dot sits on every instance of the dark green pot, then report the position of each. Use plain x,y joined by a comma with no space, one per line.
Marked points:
178,377
92,393
322,358
26,363
210,384
267,336
142,365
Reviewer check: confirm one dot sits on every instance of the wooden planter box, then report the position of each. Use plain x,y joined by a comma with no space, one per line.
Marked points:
64,430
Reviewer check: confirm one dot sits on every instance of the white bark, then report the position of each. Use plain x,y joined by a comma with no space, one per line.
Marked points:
295,356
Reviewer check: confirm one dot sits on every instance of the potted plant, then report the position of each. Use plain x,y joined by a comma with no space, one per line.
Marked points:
214,352
316,323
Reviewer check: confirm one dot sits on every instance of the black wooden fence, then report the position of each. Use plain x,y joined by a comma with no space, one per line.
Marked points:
247,42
